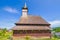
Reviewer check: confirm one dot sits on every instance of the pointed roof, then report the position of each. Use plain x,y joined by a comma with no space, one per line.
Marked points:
25,6
32,20
32,23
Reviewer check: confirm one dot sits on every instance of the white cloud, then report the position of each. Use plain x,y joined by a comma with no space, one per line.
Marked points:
11,10
55,23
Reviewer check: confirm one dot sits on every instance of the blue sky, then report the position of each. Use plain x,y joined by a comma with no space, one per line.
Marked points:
10,11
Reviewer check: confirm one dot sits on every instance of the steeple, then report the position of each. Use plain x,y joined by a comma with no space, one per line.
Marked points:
24,11
25,6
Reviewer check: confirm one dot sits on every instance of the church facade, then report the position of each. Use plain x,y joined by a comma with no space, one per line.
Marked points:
34,26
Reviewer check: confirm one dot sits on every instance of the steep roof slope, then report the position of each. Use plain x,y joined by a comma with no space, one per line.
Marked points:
36,20
32,20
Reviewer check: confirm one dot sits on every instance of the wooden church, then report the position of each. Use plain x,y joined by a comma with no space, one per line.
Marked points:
34,26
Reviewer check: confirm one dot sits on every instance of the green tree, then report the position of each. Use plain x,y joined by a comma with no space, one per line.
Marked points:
57,29
4,34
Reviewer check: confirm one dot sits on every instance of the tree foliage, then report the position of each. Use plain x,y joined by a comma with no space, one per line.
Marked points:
57,29
4,34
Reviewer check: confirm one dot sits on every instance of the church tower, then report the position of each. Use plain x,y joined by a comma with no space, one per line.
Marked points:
24,11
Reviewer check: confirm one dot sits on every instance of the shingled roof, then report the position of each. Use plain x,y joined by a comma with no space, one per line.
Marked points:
26,21
31,28
32,20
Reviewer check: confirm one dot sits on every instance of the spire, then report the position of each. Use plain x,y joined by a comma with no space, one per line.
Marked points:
25,6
